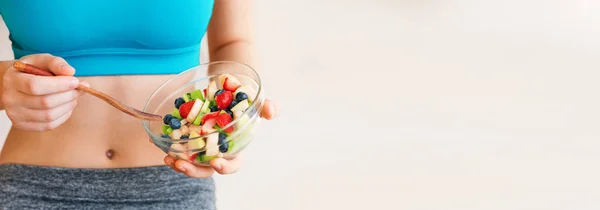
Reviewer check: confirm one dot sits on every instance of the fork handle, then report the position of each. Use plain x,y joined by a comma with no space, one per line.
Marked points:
30,69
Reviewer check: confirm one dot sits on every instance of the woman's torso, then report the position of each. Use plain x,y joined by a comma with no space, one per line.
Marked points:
121,48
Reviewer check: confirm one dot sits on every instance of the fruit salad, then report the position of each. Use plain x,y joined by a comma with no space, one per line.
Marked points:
199,124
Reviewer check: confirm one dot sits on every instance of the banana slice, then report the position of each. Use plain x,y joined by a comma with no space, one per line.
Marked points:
212,142
176,134
180,150
184,130
194,111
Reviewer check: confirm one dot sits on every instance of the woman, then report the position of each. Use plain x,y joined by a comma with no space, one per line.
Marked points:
69,151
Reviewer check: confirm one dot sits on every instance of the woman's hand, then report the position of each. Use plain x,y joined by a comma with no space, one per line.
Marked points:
40,103
220,165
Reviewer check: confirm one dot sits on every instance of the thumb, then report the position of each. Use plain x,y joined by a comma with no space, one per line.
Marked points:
54,64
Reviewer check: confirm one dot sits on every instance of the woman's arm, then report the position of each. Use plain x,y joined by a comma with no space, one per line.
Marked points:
230,32
4,65
229,38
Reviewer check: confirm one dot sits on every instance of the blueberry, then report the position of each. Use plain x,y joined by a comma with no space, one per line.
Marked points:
178,102
223,145
241,96
167,119
219,92
232,104
166,136
184,137
214,108
229,112
222,138
174,123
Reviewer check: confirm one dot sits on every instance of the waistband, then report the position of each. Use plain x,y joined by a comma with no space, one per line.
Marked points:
116,61
154,183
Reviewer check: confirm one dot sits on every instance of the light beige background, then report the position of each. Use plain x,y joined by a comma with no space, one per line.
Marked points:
425,104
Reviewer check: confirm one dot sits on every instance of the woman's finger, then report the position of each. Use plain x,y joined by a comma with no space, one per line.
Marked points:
48,115
269,110
194,171
223,166
50,101
55,64
43,126
170,161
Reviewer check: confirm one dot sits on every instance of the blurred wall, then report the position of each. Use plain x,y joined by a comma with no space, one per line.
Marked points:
425,104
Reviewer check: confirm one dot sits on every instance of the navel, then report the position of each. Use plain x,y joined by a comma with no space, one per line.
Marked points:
110,154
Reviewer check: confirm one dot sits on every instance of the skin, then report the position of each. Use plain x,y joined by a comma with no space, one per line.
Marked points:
56,125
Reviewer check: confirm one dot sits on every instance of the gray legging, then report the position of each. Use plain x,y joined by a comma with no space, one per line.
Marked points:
155,187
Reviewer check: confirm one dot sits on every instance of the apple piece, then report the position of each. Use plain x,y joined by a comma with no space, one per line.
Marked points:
195,128
212,89
194,134
196,143
237,114
212,147
248,90
241,106
208,126
242,121
194,111
221,80
231,83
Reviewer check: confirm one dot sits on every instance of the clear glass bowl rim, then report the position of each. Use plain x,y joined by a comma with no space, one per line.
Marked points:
258,97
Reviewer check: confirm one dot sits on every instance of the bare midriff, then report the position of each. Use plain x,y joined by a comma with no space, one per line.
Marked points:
97,135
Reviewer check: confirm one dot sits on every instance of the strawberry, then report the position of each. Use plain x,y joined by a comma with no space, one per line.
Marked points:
231,84
192,157
223,120
208,117
224,99
185,109
205,93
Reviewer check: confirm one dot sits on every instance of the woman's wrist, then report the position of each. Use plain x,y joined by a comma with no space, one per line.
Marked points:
238,51
4,66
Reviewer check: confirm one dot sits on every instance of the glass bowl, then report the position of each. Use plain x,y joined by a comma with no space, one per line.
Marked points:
231,135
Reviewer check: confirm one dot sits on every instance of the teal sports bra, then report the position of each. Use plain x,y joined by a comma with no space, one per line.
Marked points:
110,37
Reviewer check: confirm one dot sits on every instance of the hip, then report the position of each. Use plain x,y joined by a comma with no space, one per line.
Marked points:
154,187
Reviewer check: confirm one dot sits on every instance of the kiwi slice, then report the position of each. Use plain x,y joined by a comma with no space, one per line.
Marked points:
176,114
167,129
197,94
204,158
187,97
